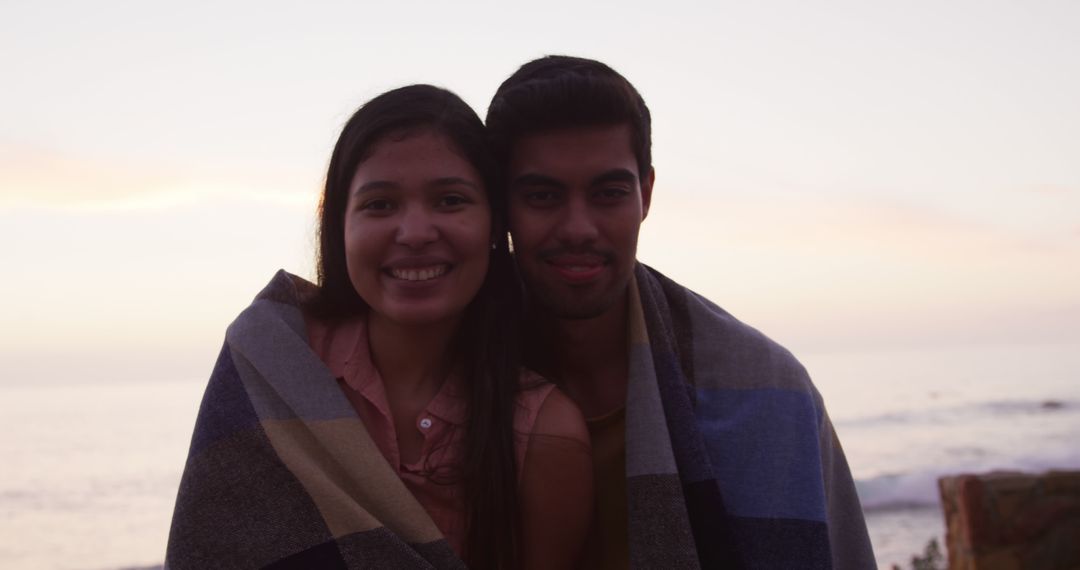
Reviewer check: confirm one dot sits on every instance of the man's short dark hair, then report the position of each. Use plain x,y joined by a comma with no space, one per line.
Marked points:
558,91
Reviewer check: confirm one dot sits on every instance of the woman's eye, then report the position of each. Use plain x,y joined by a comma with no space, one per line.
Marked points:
453,200
378,205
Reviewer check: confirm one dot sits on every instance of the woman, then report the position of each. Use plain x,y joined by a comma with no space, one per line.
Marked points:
410,375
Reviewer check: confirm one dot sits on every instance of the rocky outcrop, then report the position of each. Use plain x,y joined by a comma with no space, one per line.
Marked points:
1012,521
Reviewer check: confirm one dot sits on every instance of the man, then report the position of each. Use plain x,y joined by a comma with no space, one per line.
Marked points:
711,446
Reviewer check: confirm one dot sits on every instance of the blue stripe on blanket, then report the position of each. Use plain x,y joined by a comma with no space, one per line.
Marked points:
763,446
225,408
769,544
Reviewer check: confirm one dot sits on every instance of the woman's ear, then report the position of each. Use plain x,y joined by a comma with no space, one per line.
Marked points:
498,233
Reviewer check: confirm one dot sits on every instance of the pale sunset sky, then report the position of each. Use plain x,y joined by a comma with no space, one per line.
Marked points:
846,176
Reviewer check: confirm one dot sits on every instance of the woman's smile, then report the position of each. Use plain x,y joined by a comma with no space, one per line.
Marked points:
419,274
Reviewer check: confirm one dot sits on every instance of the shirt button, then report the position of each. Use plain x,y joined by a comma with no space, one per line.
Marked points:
425,423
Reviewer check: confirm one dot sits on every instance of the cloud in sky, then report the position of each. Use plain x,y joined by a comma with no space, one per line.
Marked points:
155,277
867,271
37,178
1049,189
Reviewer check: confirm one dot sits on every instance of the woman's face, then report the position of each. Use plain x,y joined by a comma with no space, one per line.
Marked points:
417,229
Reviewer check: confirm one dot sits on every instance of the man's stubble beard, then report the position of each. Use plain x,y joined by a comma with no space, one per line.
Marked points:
565,305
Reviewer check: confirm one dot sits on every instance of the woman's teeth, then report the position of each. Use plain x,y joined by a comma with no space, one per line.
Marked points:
419,273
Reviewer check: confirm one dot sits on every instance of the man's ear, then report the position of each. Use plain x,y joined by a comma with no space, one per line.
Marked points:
646,192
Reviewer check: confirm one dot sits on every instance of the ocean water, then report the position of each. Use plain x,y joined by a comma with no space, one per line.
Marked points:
906,418
89,473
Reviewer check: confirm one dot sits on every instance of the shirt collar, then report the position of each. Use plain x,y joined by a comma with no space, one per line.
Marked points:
450,404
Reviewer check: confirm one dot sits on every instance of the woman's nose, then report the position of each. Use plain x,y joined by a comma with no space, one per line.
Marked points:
417,228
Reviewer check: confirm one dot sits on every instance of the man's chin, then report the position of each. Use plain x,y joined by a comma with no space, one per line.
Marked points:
573,308
578,314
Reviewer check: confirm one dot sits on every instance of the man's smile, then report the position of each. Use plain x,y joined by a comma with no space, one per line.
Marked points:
578,267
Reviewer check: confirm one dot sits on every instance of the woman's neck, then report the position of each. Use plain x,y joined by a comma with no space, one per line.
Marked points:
413,360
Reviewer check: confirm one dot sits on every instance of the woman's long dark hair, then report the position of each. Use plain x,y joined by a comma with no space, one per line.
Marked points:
487,341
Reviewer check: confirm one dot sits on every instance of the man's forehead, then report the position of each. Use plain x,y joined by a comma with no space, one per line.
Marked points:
574,148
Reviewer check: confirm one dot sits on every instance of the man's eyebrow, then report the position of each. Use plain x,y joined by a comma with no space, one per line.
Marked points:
615,175
537,180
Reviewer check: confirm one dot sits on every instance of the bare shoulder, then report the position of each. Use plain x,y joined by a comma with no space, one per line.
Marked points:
556,485
559,417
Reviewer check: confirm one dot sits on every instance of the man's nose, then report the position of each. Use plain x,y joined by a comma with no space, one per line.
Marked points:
577,225
417,228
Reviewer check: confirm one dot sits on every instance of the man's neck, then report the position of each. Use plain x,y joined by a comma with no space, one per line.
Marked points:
587,358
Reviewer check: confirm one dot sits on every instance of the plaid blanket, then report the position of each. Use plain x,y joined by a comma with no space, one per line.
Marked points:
731,459
281,472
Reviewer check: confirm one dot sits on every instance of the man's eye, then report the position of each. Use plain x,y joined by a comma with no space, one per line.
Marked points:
540,197
611,194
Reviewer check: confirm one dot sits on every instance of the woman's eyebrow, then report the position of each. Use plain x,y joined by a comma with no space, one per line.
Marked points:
374,185
438,182
454,181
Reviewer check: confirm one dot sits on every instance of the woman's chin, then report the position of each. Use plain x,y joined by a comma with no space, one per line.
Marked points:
420,314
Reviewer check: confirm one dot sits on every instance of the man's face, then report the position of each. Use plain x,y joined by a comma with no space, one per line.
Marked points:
576,204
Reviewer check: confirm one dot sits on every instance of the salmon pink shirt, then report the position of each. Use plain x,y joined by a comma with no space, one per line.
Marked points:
432,478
